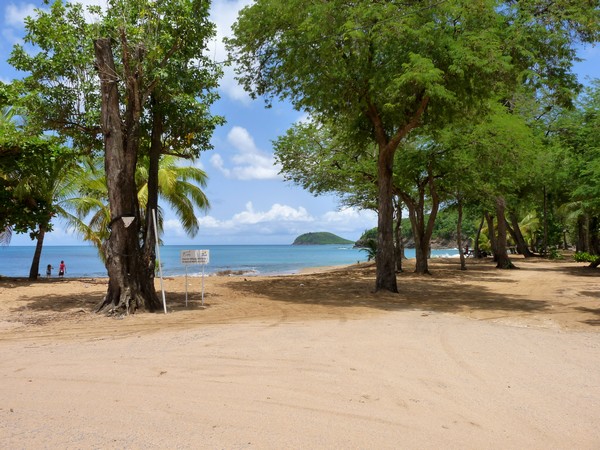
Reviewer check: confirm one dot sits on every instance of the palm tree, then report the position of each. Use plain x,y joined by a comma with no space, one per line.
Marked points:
180,186
56,184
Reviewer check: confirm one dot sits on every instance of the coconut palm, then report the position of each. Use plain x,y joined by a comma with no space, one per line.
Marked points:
55,186
179,186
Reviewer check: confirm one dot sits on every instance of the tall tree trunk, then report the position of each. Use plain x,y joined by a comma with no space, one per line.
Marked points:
545,241
386,260
386,274
476,251
34,270
501,257
491,233
582,234
149,246
594,237
129,289
398,235
459,240
517,235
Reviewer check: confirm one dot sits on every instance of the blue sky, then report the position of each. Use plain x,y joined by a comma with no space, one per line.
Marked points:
250,203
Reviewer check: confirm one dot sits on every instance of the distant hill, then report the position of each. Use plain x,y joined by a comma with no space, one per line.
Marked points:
320,238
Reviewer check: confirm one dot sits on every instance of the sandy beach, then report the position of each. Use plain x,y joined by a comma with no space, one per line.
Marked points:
476,359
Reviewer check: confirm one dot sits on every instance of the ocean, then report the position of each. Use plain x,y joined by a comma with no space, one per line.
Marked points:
83,260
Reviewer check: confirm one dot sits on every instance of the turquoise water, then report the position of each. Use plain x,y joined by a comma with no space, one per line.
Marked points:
83,261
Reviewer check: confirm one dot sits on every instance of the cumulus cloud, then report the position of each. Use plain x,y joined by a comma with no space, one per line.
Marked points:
248,161
277,213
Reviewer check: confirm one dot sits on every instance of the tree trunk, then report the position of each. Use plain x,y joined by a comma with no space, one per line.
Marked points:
501,257
459,240
515,231
149,246
582,234
386,260
491,233
386,273
594,237
399,248
477,253
35,262
422,230
545,242
129,289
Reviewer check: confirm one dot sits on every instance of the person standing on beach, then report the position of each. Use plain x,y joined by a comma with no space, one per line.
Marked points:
49,271
62,269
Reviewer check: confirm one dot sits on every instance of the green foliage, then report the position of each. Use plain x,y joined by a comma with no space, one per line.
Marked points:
29,165
585,257
445,225
370,247
320,238
368,234
166,42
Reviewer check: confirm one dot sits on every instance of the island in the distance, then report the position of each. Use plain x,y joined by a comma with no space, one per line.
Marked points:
320,238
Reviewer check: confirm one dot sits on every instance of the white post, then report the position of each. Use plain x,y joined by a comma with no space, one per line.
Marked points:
203,266
186,285
159,264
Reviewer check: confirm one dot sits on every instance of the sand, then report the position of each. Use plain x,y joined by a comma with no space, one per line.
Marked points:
476,359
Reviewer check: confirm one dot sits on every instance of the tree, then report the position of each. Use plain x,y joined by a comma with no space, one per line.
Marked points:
179,186
379,70
579,160
135,82
25,162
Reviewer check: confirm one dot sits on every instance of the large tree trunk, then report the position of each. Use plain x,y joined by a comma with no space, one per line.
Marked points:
386,260
517,235
501,257
386,273
34,270
129,289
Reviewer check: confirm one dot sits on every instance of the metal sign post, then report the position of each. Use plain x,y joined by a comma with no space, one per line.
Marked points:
201,257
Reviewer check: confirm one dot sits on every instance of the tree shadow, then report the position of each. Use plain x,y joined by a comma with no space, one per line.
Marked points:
595,311
446,290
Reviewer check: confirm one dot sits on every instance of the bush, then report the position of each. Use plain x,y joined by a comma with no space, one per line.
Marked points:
585,257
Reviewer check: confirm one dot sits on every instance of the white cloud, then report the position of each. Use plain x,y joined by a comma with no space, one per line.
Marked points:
249,162
350,219
172,227
277,213
14,15
224,13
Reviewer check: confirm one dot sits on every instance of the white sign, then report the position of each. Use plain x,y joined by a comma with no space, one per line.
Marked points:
194,256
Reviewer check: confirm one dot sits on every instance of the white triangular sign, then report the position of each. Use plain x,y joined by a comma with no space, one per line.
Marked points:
127,221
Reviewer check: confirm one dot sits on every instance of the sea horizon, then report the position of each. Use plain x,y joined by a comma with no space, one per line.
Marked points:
82,260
